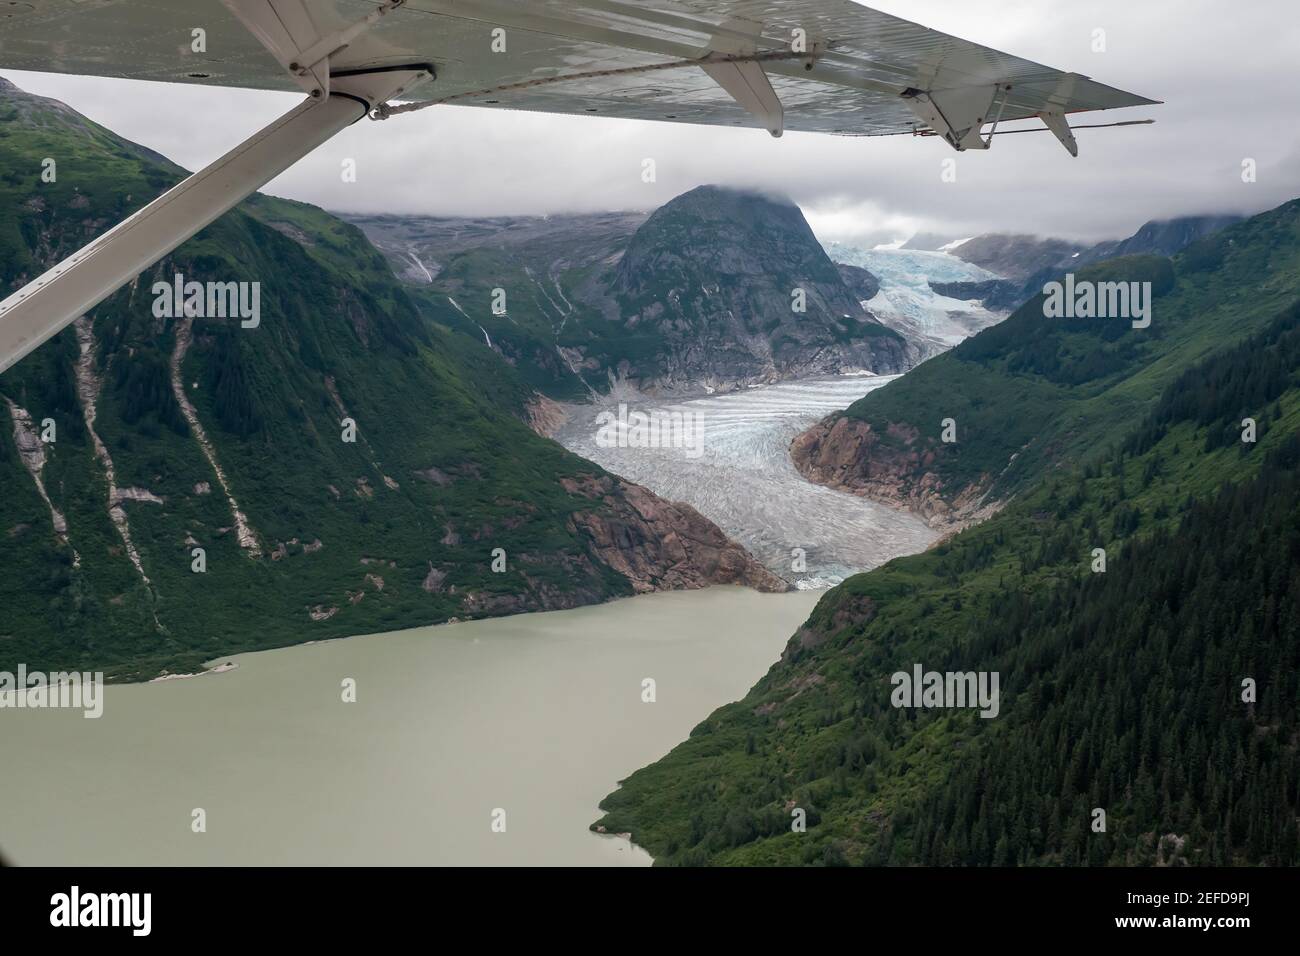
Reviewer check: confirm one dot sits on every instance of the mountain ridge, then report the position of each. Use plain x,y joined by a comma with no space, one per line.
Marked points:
1027,262
718,289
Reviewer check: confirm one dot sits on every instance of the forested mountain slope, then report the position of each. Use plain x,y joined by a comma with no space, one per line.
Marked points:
172,434
1028,262
1123,690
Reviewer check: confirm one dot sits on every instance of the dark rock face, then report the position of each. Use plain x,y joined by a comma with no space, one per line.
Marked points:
995,294
657,544
847,454
717,278
1161,238
861,283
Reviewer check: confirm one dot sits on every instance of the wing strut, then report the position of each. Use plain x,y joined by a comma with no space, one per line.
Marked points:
48,303
750,87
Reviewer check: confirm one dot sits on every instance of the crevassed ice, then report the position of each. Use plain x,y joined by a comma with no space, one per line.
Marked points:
745,482
905,295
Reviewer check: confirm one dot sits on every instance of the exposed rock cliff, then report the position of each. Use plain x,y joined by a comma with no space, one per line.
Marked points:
658,544
845,453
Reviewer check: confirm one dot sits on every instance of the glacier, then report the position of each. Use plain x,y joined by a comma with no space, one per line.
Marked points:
745,483
907,304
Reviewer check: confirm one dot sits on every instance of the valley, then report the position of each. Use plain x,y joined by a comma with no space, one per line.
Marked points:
410,447
1120,684
198,434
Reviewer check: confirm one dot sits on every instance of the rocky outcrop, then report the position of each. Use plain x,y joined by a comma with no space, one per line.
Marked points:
432,583
861,282
544,415
32,452
656,545
847,454
243,528
661,545
999,295
88,386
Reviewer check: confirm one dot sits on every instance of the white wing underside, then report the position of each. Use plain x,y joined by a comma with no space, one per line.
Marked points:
620,58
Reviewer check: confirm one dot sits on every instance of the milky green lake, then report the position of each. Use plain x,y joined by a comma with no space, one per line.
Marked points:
539,715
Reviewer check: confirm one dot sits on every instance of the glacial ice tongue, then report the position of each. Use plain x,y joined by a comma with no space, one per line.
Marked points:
743,480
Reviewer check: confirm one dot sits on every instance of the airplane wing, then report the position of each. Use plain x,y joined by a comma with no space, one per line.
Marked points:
829,66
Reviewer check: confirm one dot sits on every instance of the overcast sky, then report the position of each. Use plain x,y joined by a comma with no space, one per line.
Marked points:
1228,73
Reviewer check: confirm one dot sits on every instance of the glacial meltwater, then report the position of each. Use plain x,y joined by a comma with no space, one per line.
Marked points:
525,721
735,469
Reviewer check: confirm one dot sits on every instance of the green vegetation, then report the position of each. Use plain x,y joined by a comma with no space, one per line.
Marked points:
527,333
444,468
1119,690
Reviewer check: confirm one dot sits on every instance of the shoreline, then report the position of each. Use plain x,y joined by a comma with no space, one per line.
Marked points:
218,669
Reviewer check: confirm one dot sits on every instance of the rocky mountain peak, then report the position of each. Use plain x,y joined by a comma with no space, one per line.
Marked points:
739,291
728,232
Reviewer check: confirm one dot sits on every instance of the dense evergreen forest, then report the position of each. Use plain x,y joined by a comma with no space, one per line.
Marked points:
1143,667
1134,702
1162,691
